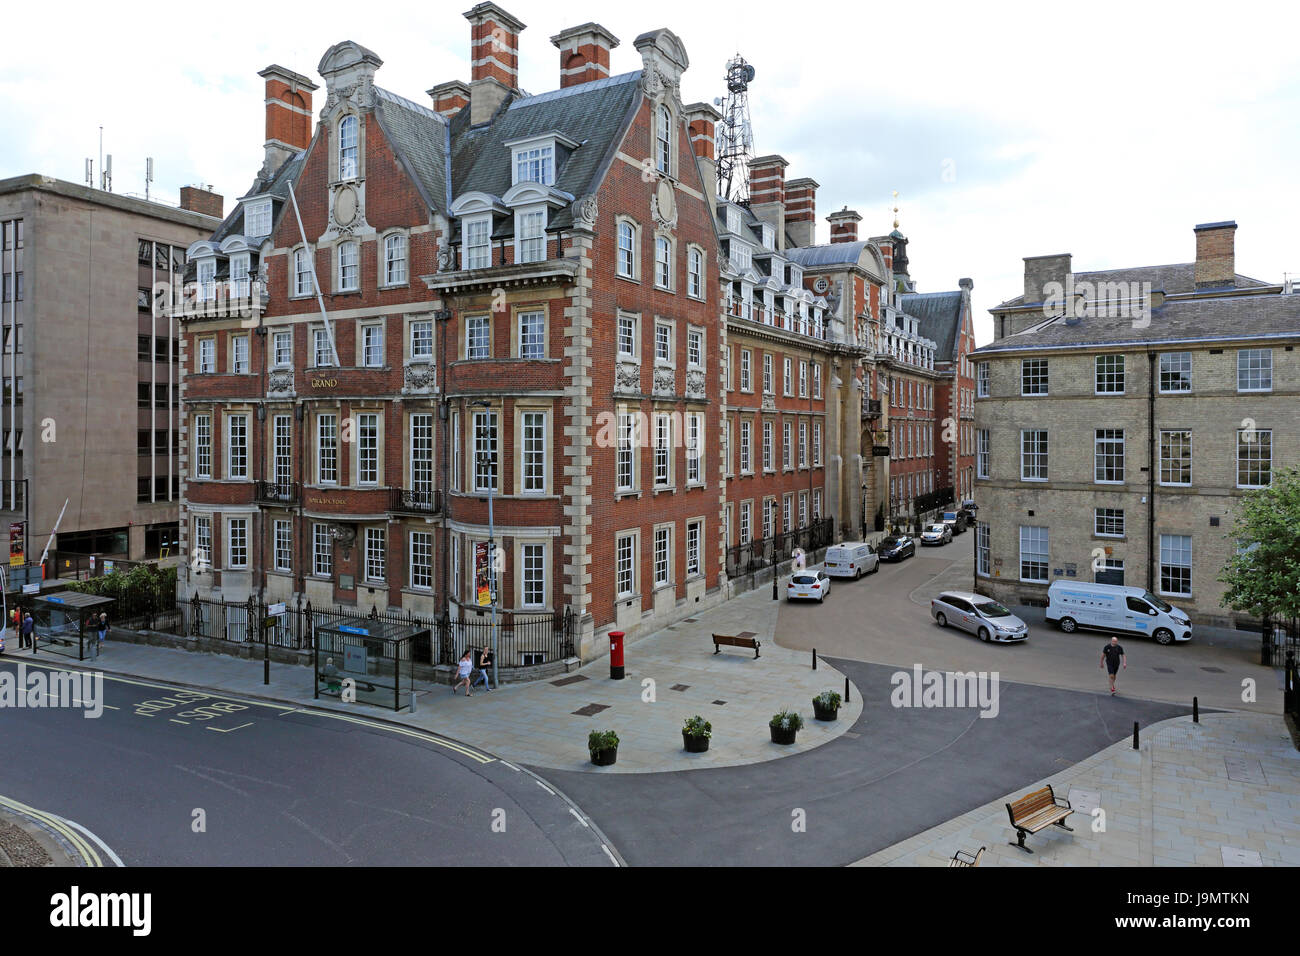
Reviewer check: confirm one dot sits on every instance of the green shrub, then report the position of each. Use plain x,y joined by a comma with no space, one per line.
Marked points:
599,740
828,700
787,720
697,726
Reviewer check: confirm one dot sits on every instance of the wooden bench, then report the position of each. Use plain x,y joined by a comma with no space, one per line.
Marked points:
727,640
1037,811
962,858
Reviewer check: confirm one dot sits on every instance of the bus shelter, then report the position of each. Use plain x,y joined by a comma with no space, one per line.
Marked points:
65,622
367,660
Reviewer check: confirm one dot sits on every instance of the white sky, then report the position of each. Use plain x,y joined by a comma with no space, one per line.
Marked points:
1105,129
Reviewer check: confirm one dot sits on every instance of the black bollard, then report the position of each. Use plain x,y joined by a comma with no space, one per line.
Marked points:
1196,710
1135,735
774,597
814,658
846,690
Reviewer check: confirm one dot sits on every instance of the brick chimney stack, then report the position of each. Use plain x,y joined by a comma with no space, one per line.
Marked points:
701,122
449,98
493,59
844,225
288,115
584,53
204,201
1216,263
801,210
767,193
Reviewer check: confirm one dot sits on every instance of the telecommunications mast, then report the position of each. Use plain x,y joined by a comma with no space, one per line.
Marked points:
735,135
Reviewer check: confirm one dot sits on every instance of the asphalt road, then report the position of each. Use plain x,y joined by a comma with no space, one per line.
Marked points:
899,771
276,785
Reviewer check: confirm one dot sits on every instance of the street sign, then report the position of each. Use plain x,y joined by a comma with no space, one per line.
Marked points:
32,588
275,609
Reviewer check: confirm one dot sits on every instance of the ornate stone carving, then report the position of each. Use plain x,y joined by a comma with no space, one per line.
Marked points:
627,377
665,381
695,383
279,382
585,211
652,83
445,261
769,403
663,205
418,378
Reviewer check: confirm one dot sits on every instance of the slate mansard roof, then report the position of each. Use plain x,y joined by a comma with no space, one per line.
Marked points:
938,316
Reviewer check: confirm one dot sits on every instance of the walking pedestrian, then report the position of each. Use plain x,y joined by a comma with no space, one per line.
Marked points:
102,628
28,632
1112,658
463,670
484,662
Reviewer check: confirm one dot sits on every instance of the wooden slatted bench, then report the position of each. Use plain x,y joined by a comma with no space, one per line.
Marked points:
1037,811
962,858
728,640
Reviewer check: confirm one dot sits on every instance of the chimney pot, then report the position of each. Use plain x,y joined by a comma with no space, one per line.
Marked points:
494,45
584,53
844,225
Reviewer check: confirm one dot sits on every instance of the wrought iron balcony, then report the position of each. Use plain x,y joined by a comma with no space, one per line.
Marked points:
411,502
871,408
276,493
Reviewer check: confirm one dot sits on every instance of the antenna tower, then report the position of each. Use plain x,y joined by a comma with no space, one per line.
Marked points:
735,133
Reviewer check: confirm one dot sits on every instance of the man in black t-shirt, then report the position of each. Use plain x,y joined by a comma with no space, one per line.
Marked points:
1112,658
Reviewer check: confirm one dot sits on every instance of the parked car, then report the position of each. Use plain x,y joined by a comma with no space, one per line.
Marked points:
983,617
937,533
811,585
851,559
896,548
956,520
1117,609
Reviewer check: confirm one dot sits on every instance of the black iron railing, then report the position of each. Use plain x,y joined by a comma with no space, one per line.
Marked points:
415,502
279,493
522,639
764,552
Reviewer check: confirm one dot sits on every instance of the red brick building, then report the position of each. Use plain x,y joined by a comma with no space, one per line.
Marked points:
523,309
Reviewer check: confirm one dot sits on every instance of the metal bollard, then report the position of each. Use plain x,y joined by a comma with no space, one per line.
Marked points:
814,658
1196,710
846,690
1135,735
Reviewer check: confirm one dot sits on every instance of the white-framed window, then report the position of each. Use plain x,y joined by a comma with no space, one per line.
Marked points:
663,343
627,335
1109,375
322,551
663,449
283,544
485,450
627,250
787,444
1175,372
207,276
746,359
207,355
368,448
476,239
421,340
372,346
349,267
239,274
803,379
1033,454
395,259
478,337
236,543
533,464
768,464
982,453
817,503
787,378
695,273
625,565
282,349
348,148
769,387
787,512
456,446
202,542
532,560
694,347
664,141
1108,522
422,560
453,547
532,335
625,466
535,164
1255,370
983,551
321,351
982,380
1033,376
803,509
257,218
327,450
817,443
202,446
746,447
694,446
694,532
1175,457
1034,558
746,515
803,444
817,379
376,555
282,448
302,284
530,235
1254,458
663,556
742,260
237,446
663,263
1108,456
1176,564
421,476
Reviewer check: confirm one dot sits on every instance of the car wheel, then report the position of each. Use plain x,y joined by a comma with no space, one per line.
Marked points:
941,619
1067,625
984,634
1164,636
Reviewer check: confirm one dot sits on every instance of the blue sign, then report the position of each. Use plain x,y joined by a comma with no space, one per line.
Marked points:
55,600
349,629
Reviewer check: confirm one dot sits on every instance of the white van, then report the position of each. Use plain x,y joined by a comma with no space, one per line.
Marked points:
851,559
1115,608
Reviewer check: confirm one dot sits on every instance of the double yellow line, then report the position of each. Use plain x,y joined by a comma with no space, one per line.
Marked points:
79,843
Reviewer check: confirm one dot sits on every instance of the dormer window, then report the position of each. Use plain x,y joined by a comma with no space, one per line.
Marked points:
348,148
733,219
530,235
535,164
769,237
476,236
239,274
207,274
742,257
796,276
664,142
257,218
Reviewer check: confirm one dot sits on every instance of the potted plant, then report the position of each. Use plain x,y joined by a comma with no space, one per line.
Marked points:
603,747
826,705
696,732
784,726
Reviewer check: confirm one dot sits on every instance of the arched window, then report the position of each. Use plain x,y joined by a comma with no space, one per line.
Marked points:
664,153
395,260
349,268
626,250
348,148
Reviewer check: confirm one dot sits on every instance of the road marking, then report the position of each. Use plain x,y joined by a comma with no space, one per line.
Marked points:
229,729
86,851
511,766
608,854
544,787
578,816
106,848
420,735
175,721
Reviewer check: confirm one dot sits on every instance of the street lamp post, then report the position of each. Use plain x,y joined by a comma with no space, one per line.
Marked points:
486,460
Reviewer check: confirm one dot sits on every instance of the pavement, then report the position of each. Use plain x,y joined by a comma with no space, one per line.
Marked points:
33,838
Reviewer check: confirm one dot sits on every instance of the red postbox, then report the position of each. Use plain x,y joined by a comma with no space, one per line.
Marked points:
615,655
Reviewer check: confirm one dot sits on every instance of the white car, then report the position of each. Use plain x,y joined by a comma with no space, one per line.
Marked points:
983,617
936,534
810,585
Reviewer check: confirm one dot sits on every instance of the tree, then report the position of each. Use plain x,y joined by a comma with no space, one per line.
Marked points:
1263,577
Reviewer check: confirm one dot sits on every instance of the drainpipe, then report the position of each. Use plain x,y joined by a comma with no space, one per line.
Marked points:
1151,470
